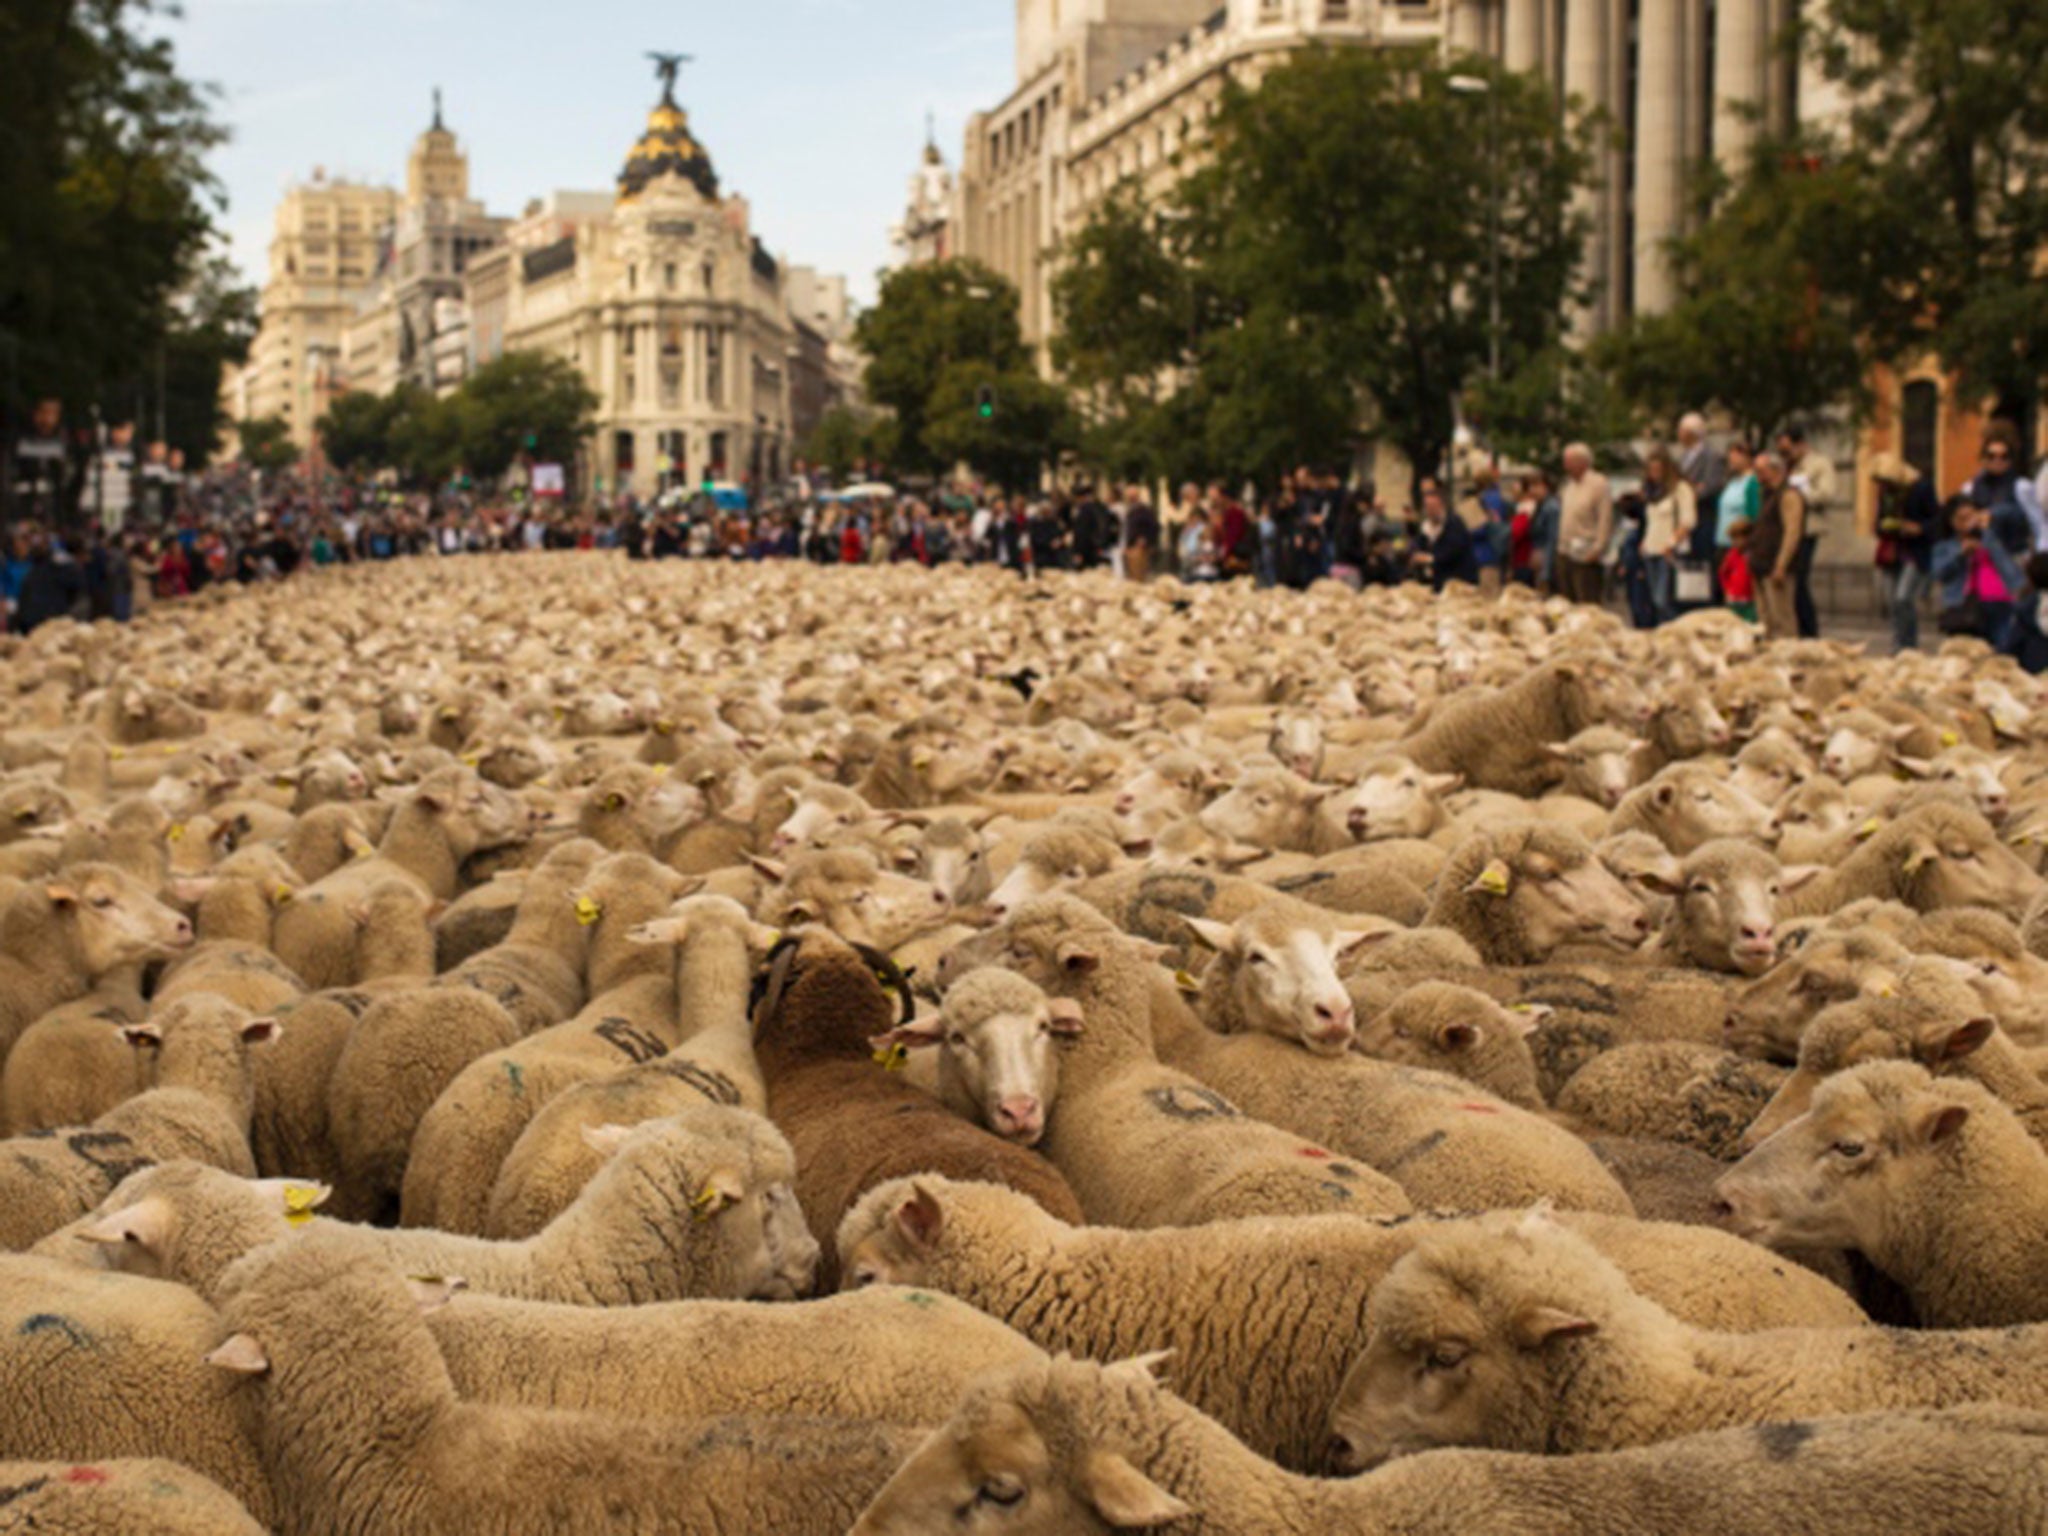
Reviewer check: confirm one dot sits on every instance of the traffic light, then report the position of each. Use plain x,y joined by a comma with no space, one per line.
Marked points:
985,402
532,441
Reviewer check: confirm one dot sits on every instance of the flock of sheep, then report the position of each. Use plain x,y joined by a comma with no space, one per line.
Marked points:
554,1045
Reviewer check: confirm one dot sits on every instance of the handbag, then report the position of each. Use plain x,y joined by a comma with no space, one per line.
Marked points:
1962,618
1694,582
1887,554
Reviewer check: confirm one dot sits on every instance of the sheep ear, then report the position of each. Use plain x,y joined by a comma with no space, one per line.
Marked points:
1064,1016
1210,934
605,1139
663,930
920,1218
1799,876
1664,795
431,802
1458,1037
430,1293
767,868
242,1355
261,1031
1919,854
1077,958
1941,1123
1145,1370
1650,880
145,1225
723,1187
1345,941
1494,880
761,938
1918,767
915,1035
61,896
1539,1326
1966,1038
143,1034
1444,783
1125,1497
1526,1018
1558,750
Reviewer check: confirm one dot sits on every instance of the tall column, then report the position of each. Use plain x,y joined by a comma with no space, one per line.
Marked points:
1660,148
1523,27
1469,30
1587,77
1742,31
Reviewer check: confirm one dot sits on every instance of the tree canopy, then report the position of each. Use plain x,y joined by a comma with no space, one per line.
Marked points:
524,404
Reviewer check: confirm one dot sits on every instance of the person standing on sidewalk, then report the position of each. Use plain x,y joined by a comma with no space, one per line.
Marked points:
1812,475
1908,518
1774,547
1585,526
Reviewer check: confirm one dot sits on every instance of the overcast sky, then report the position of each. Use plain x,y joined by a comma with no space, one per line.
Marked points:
813,109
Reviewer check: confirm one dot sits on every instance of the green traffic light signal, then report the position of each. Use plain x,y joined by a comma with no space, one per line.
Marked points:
985,402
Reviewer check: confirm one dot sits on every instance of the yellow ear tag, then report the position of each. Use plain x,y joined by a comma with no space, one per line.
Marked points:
300,1201
708,1203
176,834
470,759
1186,982
117,754
664,727
1886,991
890,1058
587,911
1494,879
1951,739
283,782
282,895
1869,829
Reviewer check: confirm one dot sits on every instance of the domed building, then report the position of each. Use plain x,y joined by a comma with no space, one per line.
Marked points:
662,295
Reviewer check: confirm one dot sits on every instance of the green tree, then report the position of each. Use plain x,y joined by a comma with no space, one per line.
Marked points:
938,335
213,323
524,403
358,430
105,203
1946,151
427,434
1759,328
267,444
845,437
1556,396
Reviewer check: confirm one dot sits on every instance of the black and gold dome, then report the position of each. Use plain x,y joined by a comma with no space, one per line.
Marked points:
667,147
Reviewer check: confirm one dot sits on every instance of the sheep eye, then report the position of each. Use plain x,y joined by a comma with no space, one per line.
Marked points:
1702,888
860,898
1002,1489
1259,958
865,1275
103,902
1849,1149
1990,968
956,1039
1446,1357
1962,855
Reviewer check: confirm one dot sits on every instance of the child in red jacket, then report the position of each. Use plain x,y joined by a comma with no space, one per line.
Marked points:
1738,586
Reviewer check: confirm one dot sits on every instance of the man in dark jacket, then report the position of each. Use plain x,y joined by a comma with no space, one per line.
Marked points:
1443,551
51,585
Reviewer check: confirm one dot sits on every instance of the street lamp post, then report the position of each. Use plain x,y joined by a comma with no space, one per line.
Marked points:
1480,85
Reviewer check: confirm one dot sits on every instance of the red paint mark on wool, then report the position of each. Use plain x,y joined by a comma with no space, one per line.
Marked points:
88,1475
1315,1152
1482,1109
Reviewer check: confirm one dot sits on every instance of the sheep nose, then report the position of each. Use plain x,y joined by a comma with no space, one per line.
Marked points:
1759,934
1019,1115
940,898
1358,820
181,931
1640,925
1125,804
1341,1456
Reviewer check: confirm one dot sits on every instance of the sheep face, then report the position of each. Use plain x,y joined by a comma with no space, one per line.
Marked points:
777,1256
1977,774
1852,751
1820,806
1962,866
1053,861
955,866
1727,906
1689,725
1694,808
1558,904
822,814
1771,1013
1282,980
857,900
1017,1457
1003,1066
1833,1176
1266,808
1394,800
1461,1032
1599,765
1297,741
896,1235
516,763
1174,781
115,920
1770,768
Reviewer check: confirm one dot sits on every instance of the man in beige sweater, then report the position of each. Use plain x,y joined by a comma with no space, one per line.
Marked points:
1585,524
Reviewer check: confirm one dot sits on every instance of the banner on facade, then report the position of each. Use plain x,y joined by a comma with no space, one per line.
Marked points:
548,480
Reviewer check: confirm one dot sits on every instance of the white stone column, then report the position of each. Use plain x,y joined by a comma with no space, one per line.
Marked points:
1588,78
1742,30
1659,148
1523,34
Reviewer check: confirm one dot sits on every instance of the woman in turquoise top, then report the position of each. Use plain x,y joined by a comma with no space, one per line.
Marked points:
1741,498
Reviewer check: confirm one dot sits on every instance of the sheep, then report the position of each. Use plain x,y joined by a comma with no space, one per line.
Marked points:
103,1365
1599,764
1514,1334
198,1104
1978,774
951,854
1647,870
854,1124
1666,1090
1141,1142
1766,1018
461,1142
1684,724
1688,805
1271,973
1294,1288
1090,1448
884,1354
718,947
1275,809
1053,859
69,1068
999,1052
1934,1022
1443,1028
1933,1180
1724,909
105,1498
363,1429
1523,890
2011,981
1934,857
847,891
1496,738
1392,797
59,938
